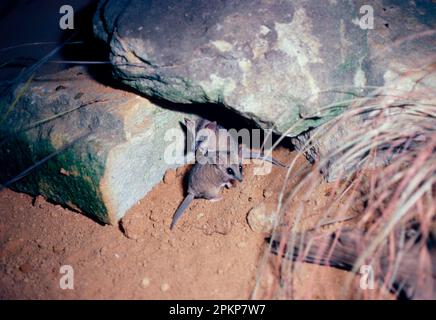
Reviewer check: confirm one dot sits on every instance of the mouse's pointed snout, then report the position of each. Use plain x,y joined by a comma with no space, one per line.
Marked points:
239,177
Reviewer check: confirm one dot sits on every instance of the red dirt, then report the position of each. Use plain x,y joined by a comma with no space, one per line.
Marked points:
212,253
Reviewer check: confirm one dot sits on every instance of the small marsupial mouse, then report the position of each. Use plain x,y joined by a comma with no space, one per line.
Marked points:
206,181
207,136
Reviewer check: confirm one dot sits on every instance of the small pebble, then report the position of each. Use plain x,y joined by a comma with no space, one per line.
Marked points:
261,219
26,267
103,251
169,177
164,287
58,248
39,202
154,216
267,193
241,244
145,282
125,224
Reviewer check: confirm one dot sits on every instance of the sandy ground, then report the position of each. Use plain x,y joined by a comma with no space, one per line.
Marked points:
212,253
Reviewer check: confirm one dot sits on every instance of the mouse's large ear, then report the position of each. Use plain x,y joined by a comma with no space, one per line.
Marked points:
211,125
190,124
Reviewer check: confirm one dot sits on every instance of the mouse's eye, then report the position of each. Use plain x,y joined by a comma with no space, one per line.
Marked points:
240,168
230,171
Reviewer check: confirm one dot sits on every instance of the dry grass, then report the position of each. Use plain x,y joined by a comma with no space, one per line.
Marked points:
384,168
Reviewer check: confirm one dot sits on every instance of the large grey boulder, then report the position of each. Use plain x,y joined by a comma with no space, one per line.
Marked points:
401,55
115,143
267,60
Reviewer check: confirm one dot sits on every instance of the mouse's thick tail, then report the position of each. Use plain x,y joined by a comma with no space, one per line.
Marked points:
183,206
